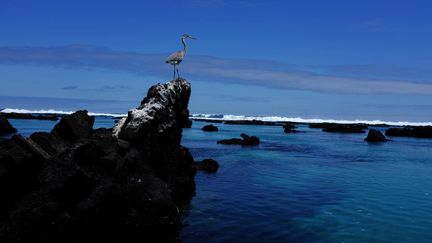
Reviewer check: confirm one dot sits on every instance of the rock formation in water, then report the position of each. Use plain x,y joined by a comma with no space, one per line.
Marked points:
79,184
375,136
289,128
417,132
245,140
210,128
207,165
340,128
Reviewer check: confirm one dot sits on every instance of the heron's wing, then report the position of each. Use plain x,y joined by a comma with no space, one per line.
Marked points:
176,57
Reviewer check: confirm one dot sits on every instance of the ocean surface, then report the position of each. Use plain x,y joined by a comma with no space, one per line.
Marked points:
309,186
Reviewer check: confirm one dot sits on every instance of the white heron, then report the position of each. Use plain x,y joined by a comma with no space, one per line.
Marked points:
177,57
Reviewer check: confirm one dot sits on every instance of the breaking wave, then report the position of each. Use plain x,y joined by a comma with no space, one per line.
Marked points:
52,111
237,117
307,120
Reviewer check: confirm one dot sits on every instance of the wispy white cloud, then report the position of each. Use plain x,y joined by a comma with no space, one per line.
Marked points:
240,71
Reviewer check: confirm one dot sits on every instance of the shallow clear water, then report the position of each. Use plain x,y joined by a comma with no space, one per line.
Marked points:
304,187
310,187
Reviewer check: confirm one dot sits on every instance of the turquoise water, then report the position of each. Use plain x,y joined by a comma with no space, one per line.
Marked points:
304,187
310,187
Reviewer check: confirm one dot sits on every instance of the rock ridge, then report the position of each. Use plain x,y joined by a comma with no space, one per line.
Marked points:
79,184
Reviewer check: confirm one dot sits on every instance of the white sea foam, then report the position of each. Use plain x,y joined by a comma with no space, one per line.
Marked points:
238,117
305,120
52,111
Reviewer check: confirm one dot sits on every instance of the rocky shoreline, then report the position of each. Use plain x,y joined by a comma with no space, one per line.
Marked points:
79,184
27,116
289,127
279,123
5,127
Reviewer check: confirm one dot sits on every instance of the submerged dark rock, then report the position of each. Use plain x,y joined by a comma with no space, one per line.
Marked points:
375,136
289,128
6,127
207,165
77,184
417,132
245,141
210,128
230,141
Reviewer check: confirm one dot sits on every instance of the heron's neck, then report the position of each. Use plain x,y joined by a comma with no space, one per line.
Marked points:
184,45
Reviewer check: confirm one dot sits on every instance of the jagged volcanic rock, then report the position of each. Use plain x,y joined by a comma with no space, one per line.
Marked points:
6,127
77,184
75,126
188,124
375,136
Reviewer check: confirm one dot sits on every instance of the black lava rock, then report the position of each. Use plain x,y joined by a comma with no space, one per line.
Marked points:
77,184
245,141
417,132
75,126
289,128
26,116
210,128
249,140
343,128
230,141
49,142
336,127
188,124
6,127
375,136
207,165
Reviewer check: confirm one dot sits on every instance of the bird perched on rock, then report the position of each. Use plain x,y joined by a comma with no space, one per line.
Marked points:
177,57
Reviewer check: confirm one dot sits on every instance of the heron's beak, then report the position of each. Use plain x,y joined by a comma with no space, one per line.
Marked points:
193,38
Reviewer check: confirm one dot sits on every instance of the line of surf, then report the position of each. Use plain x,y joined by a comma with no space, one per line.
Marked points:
306,120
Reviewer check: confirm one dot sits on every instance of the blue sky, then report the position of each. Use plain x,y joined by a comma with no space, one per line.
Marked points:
327,59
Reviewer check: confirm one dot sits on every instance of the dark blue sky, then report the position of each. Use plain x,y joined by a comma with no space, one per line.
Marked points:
328,59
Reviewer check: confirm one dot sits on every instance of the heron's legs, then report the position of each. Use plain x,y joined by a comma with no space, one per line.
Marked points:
174,71
178,75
